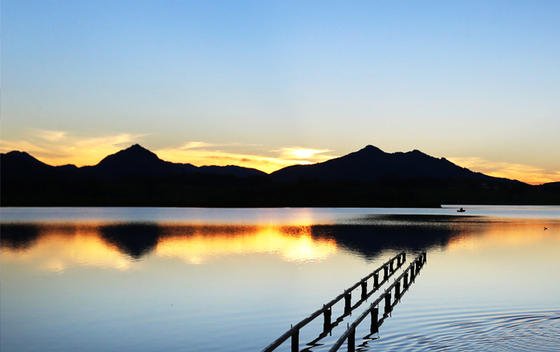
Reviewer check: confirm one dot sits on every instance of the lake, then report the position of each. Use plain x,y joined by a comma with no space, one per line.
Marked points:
194,279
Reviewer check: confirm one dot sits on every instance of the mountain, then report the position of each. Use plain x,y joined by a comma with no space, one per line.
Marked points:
368,177
17,164
133,158
141,162
22,161
138,161
133,176
232,170
552,185
135,161
372,164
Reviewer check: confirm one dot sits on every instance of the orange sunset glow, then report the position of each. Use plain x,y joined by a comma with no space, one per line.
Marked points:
235,176
58,249
199,247
501,234
61,148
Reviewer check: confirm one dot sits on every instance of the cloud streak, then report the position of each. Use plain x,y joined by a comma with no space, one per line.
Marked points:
201,153
522,172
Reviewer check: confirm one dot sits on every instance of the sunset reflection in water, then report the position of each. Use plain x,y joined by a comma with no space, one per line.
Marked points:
205,280
503,234
57,248
203,246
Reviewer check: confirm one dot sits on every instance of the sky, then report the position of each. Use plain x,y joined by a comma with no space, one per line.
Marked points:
267,84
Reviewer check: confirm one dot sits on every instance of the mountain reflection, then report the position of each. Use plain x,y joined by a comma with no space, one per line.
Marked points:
134,239
369,241
117,246
57,247
18,237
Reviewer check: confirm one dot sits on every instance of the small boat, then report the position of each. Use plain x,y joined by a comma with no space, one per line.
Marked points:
461,210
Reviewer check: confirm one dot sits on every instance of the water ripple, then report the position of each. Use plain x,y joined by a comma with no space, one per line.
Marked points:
527,331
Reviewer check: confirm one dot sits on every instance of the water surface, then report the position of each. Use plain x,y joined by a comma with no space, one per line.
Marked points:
150,279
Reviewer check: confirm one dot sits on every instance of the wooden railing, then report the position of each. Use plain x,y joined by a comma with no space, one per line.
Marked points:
373,311
388,268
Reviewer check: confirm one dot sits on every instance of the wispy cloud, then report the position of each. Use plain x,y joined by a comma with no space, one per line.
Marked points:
201,153
305,155
196,145
60,147
522,172
50,135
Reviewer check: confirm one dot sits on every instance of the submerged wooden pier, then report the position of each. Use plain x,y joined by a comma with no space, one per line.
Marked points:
388,269
394,290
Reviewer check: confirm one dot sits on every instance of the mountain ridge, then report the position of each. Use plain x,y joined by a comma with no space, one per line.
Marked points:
136,150
126,162
135,176
378,164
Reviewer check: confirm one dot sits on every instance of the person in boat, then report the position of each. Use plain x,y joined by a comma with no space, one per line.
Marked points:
461,210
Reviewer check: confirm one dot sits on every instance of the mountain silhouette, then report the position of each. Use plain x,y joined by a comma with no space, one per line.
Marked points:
135,176
134,161
22,161
139,161
135,156
373,164
21,165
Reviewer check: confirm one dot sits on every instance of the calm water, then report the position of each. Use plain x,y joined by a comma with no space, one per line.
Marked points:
151,279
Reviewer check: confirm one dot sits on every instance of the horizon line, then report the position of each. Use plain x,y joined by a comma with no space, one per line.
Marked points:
268,172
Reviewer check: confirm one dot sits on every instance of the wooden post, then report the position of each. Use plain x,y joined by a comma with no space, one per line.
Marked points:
295,341
364,289
404,257
387,302
391,265
352,340
347,303
412,273
376,280
397,290
327,314
374,327
405,280
385,272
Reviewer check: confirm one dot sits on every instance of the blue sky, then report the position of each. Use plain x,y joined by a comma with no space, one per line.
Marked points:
474,81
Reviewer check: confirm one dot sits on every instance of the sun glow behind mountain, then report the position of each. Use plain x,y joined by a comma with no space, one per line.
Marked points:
270,85
60,148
